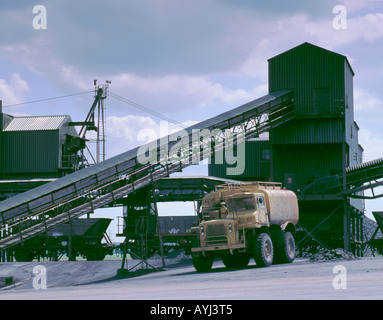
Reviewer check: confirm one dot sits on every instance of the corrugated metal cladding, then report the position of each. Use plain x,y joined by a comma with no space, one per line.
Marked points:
32,147
257,163
28,153
305,164
330,130
310,147
316,75
36,123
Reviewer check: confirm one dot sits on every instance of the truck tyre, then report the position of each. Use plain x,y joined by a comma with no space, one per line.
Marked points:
287,254
263,250
284,247
202,263
236,261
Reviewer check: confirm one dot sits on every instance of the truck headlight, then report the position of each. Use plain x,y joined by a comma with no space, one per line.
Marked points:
230,227
202,230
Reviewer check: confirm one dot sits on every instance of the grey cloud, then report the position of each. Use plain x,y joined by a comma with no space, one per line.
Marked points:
143,37
314,9
156,37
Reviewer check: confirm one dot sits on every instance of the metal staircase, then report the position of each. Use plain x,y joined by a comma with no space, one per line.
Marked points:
35,211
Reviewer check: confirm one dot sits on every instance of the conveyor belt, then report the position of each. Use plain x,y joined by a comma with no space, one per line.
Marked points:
358,178
83,191
365,172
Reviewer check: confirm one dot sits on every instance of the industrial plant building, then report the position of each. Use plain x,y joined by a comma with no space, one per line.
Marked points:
302,134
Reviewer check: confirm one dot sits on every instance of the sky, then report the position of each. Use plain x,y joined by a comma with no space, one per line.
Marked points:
185,59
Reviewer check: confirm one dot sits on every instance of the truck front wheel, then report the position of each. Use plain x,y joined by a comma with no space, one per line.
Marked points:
202,263
263,250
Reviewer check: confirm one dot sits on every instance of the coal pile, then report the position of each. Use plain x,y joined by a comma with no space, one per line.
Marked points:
334,254
369,227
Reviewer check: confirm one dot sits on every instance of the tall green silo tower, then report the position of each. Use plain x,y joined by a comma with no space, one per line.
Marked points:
315,147
323,136
322,140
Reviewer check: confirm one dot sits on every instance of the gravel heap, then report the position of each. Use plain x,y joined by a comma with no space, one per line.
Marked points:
369,227
174,258
320,254
334,254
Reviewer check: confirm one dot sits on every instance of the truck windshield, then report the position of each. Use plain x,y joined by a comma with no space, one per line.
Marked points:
241,204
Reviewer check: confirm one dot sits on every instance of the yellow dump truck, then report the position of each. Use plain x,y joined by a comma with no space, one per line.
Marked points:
246,220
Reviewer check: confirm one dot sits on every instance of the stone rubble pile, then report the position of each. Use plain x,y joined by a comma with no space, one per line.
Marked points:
325,254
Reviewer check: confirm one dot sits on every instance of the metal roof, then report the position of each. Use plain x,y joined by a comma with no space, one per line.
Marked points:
307,44
36,123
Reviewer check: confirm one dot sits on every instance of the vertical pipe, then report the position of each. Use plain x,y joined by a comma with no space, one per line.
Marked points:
346,215
346,225
70,255
361,235
159,229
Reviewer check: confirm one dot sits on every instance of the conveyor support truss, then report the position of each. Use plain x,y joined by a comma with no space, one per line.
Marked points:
35,211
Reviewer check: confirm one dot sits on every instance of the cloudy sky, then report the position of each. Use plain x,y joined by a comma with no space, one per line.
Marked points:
185,59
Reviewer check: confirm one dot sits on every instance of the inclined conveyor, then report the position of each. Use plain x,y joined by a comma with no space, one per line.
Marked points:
35,211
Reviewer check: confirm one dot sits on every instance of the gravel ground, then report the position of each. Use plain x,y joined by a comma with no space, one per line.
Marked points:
73,273
301,280
311,277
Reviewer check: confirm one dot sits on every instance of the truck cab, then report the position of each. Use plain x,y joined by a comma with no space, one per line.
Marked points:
248,209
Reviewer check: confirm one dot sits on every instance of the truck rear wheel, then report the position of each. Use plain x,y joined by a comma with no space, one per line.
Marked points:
284,247
202,263
287,254
263,250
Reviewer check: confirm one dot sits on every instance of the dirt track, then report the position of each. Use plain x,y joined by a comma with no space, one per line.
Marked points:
361,279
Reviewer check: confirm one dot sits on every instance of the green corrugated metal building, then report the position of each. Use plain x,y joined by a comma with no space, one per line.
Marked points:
35,149
324,126
257,151
321,141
